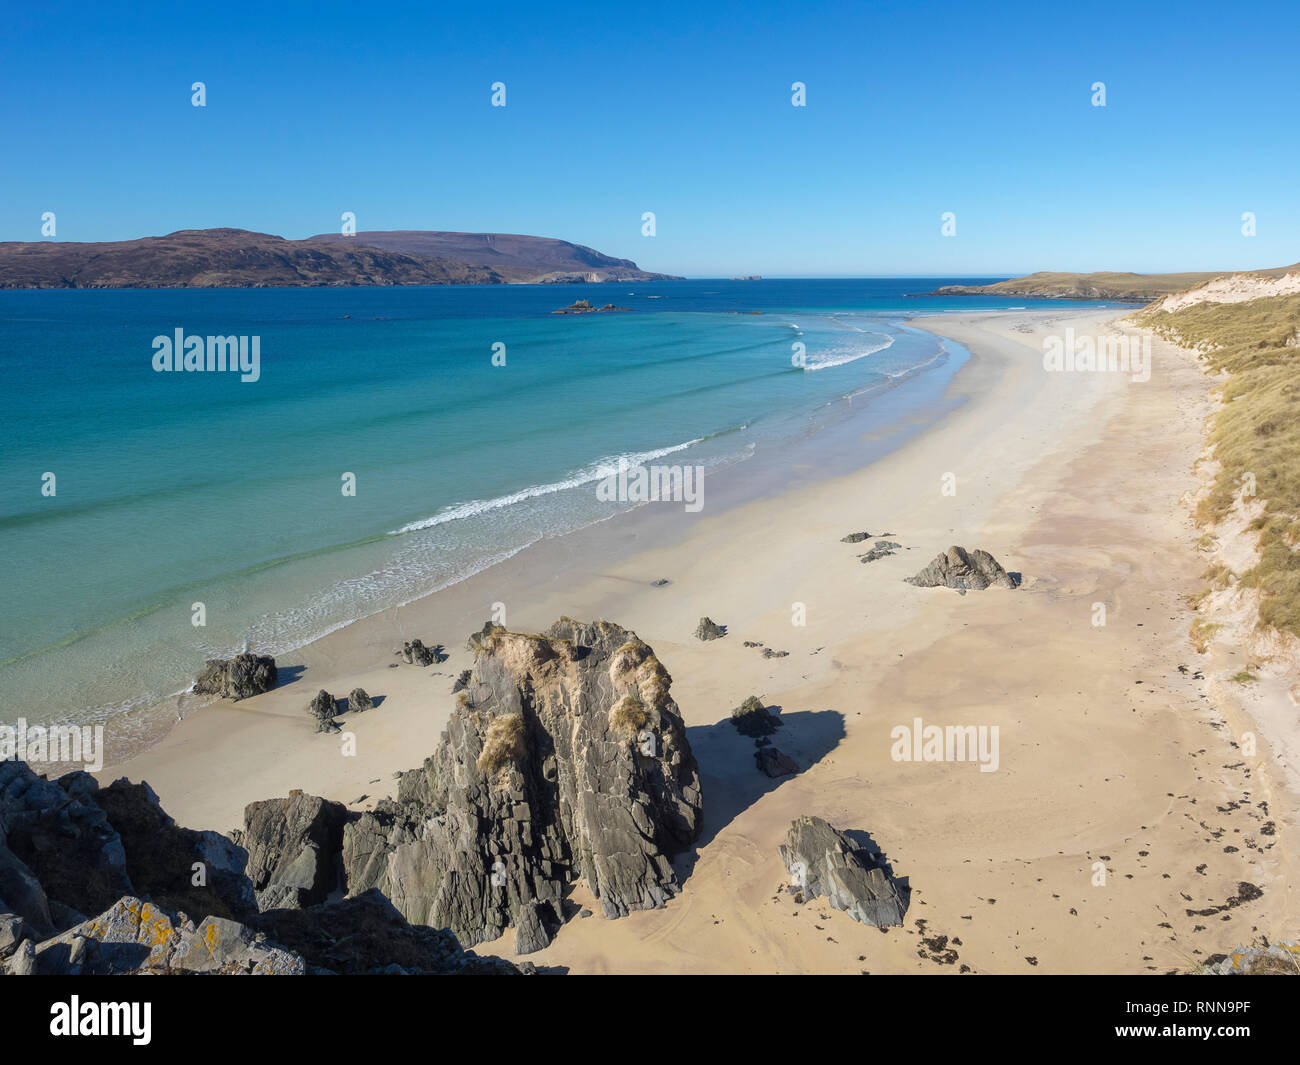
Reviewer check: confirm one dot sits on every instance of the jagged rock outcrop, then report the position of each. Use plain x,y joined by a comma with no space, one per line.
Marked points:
855,538
237,678
963,571
163,860
566,757
752,718
134,936
822,861
417,654
120,836
707,629
324,708
359,700
60,859
292,848
366,934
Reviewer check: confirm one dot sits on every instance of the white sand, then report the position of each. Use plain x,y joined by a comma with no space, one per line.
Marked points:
1108,753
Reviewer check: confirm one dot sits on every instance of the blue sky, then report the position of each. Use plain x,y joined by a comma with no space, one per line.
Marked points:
913,110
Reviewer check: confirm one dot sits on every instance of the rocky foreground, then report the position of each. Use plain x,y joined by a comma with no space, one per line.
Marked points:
565,758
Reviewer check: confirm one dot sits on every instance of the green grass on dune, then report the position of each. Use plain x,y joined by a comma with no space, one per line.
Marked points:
1257,432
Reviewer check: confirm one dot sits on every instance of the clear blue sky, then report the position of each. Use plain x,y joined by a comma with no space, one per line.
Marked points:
913,109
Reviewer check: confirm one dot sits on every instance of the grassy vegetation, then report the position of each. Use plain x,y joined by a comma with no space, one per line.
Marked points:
628,716
505,743
1256,435
1244,676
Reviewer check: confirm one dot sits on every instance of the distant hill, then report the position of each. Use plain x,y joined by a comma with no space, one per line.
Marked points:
511,255
239,258
1126,288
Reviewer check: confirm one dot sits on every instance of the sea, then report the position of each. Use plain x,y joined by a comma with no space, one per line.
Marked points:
395,441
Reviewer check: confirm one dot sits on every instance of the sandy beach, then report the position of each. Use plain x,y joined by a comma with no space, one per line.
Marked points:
1121,804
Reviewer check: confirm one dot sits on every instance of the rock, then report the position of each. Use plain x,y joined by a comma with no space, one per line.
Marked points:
882,549
661,582
23,963
753,719
855,538
324,708
462,682
366,934
1279,959
708,630
12,933
59,856
823,861
134,936
129,936
774,763
530,928
359,700
417,654
292,846
237,678
769,653
161,857
751,643
222,946
567,758
957,569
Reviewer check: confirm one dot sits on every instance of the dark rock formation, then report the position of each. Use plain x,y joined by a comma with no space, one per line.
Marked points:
359,700
237,678
72,825
585,307
882,549
462,681
566,758
163,860
774,763
134,936
366,934
855,538
707,629
957,569
753,719
292,846
823,861
769,653
60,858
417,654
324,708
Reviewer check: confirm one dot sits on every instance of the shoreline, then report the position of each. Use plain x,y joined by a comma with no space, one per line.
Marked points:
1048,482
774,464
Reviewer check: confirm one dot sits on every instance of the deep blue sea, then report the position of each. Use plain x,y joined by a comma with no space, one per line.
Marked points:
174,488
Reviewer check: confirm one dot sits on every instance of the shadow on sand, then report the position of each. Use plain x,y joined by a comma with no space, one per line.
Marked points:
730,779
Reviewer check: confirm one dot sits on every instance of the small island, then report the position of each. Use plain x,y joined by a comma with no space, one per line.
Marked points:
585,307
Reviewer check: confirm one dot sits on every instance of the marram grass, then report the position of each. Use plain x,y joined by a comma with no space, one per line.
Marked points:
1256,434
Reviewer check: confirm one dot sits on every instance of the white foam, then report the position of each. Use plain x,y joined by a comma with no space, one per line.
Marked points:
597,471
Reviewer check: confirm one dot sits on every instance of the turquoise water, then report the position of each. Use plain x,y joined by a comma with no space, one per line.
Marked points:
178,488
